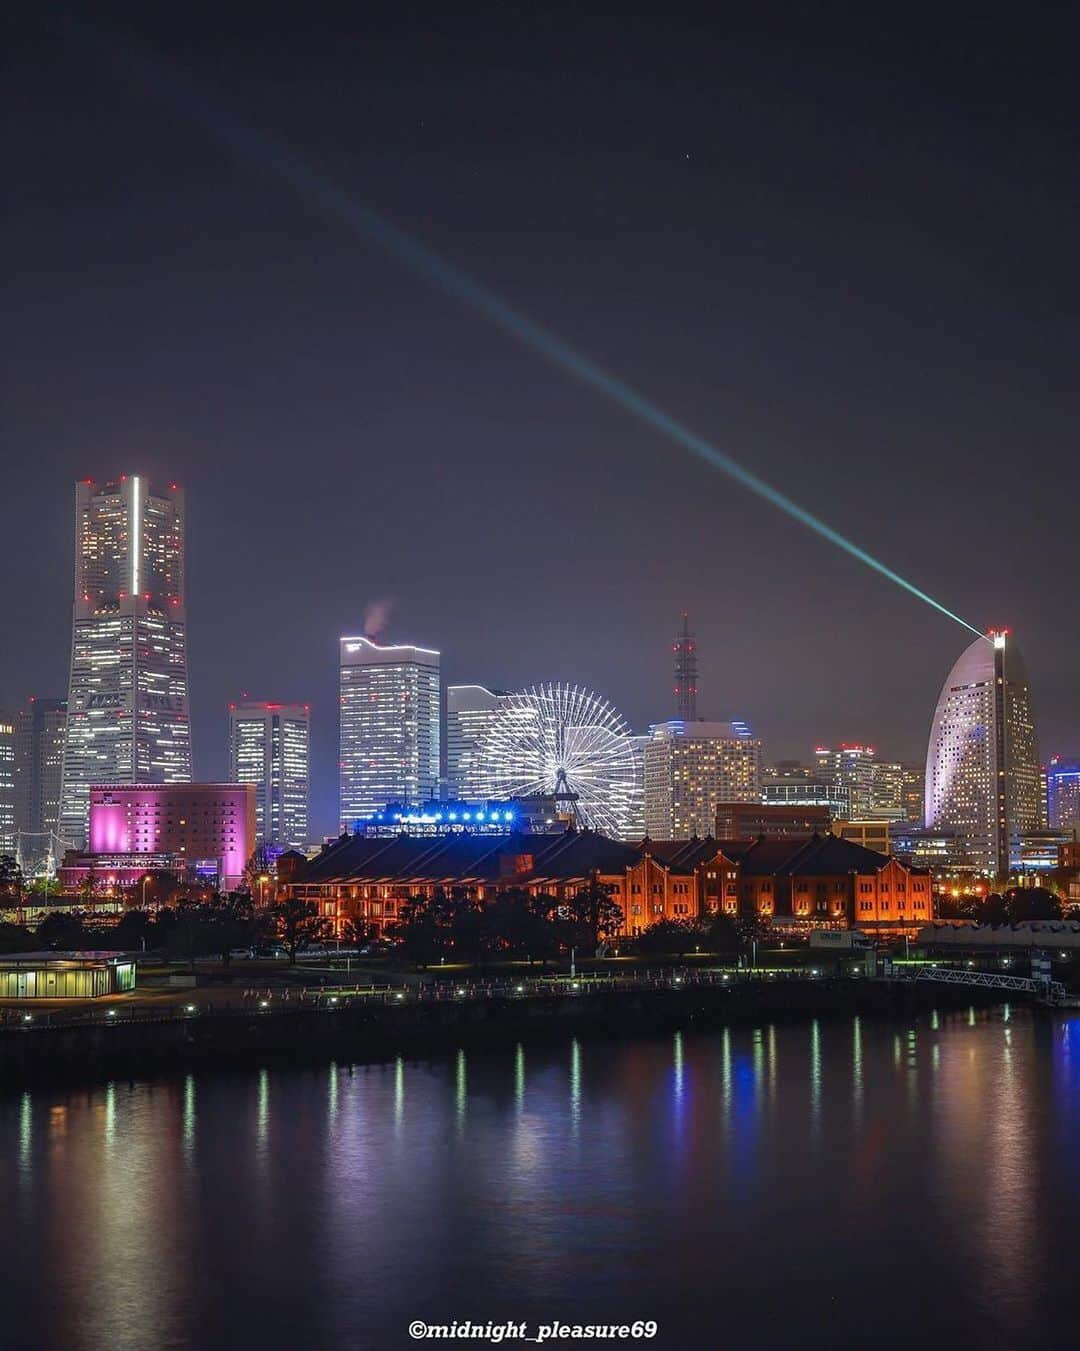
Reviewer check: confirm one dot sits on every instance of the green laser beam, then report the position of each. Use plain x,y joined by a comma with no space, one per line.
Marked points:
289,168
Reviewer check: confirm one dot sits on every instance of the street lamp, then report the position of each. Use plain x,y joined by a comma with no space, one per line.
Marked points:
144,882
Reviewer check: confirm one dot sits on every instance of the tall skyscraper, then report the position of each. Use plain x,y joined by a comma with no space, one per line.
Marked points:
686,677
39,759
982,762
471,710
389,730
691,767
1063,792
9,840
128,695
270,747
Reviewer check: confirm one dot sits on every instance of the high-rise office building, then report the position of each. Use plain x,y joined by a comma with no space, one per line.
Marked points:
471,711
887,791
270,747
9,839
1063,792
691,767
389,729
982,762
39,759
914,792
850,769
128,695
864,788
788,769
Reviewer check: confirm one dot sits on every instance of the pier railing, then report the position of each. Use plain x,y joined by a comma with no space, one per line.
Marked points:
1051,991
276,1001
271,1001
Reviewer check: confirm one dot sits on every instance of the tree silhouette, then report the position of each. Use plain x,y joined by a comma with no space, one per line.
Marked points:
298,924
62,931
594,917
11,877
671,937
1027,903
722,935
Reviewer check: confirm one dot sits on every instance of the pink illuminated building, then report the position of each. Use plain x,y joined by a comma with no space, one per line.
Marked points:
201,824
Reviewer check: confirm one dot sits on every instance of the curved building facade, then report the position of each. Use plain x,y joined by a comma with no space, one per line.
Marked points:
982,763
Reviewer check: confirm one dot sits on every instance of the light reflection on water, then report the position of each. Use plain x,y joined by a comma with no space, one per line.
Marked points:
189,1118
815,1079
461,1091
575,1086
399,1094
262,1116
674,1177
519,1075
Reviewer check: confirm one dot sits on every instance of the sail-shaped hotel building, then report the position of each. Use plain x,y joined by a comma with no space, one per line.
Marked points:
982,762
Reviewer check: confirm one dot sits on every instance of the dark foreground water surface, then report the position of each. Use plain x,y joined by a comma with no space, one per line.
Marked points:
840,1183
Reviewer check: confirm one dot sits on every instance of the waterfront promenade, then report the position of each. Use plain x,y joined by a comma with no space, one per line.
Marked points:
257,1022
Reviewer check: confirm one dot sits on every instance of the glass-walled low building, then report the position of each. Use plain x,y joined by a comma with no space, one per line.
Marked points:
62,975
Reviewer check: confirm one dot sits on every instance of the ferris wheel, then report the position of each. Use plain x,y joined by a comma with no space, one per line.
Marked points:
568,742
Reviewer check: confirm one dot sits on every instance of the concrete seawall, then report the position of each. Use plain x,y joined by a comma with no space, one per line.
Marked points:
115,1047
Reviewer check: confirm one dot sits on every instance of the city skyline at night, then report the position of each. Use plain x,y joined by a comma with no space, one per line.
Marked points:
523,817
732,288
819,346
108,523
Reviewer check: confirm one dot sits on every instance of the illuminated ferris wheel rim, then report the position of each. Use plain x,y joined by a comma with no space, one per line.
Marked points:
562,740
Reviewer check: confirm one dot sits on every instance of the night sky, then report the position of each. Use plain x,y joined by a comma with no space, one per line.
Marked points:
841,246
